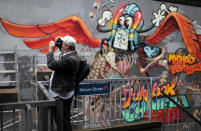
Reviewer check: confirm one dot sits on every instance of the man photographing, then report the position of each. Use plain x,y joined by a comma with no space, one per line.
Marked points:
63,78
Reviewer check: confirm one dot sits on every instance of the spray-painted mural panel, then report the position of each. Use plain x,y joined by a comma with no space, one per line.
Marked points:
131,39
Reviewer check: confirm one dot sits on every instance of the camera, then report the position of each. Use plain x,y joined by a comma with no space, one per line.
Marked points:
58,43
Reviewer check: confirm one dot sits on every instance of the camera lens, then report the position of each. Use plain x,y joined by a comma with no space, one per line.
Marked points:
58,43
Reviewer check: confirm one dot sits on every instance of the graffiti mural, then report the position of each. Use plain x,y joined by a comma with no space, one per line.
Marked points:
125,47
73,26
139,104
125,43
182,63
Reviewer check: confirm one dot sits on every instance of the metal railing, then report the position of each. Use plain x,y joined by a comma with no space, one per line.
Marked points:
104,102
25,116
130,100
177,114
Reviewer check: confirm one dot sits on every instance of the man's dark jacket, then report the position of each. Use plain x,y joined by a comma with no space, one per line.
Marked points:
66,68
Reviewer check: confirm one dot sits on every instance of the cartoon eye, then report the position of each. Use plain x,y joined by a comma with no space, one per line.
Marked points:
128,22
121,21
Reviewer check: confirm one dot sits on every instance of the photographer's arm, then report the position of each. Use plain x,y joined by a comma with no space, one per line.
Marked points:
51,62
59,65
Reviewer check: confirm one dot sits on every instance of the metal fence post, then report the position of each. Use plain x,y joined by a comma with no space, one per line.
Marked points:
50,119
28,115
1,116
150,100
59,114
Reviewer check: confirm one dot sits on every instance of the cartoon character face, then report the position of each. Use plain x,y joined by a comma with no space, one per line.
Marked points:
122,33
126,23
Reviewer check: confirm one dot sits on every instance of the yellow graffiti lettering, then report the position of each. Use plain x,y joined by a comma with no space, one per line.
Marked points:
178,59
182,63
171,57
168,89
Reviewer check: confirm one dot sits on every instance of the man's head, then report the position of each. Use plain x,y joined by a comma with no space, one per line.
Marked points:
68,43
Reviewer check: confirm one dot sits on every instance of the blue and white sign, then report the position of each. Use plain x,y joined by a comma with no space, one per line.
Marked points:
93,88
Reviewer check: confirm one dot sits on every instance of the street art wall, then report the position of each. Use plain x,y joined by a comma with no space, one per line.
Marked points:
120,39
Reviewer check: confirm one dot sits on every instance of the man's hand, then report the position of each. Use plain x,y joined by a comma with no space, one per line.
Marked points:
51,46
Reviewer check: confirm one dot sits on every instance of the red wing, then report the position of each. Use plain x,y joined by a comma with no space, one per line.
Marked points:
72,26
175,21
